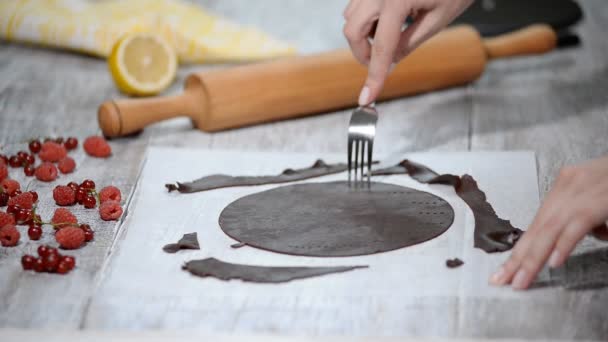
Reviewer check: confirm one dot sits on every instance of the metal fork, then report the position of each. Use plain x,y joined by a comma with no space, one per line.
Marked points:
361,133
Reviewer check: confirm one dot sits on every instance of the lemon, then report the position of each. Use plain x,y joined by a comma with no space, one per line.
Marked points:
142,64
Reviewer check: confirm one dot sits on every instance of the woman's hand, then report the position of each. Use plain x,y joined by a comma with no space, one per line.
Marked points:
577,204
390,43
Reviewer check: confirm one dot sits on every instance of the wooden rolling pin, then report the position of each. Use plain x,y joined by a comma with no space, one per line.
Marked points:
298,86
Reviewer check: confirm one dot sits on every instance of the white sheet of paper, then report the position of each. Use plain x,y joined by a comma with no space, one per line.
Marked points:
391,297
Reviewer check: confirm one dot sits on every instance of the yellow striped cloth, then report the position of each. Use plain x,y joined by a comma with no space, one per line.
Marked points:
93,27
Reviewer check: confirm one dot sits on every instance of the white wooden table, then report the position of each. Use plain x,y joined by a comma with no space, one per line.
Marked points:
556,105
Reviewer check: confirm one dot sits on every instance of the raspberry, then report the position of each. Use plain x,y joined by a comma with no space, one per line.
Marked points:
63,218
6,219
24,200
110,210
109,193
52,152
9,236
97,146
64,195
46,172
10,186
66,165
70,237
3,171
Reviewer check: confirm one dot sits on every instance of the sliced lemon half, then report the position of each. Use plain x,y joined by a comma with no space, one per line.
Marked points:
143,64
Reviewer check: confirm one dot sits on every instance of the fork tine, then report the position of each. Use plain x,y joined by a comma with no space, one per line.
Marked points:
370,150
356,159
362,166
350,157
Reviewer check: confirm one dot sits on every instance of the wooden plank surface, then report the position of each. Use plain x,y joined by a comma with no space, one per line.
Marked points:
554,104
158,336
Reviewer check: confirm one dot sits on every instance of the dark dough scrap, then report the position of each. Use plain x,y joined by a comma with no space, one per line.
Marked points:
492,234
188,241
238,245
212,267
318,169
333,219
453,263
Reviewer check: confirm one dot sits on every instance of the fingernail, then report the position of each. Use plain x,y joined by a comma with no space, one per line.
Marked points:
554,259
364,96
519,282
496,278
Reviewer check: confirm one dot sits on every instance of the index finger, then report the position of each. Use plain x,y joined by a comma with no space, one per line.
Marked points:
384,47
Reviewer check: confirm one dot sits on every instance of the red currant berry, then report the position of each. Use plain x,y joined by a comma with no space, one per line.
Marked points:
89,234
71,143
13,209
28,261
59,140
50,262
69,261
30,160
15,161
22,155
4,197
74,186
43,251
34,196
34,232
89,202
81,194
15,193
4,158
85,226
88,184
63,268
39,265
29,170
52,250
35,146
23,215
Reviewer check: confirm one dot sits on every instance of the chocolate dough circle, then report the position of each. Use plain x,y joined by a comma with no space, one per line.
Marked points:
333,219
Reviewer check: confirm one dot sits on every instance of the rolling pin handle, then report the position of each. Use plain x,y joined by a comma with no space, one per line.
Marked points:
125,117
